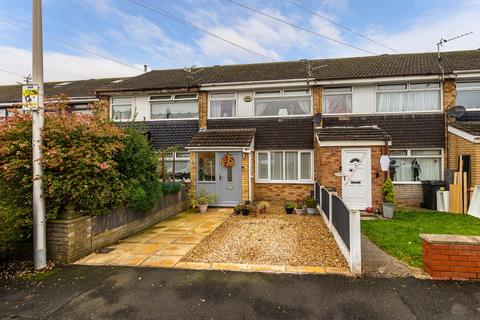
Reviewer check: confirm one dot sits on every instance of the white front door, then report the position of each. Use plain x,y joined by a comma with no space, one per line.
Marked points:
356,178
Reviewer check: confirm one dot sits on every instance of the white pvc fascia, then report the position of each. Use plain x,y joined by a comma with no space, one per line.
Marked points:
464,135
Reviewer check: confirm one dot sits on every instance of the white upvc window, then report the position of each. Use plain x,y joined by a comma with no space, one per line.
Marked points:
283,102
468,95
337,100
182,165
174,106
416,165
122,108
409,97
223,104
284,166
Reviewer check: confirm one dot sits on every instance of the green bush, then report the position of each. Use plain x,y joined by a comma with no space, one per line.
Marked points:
171,187
15,227
388,192
145,195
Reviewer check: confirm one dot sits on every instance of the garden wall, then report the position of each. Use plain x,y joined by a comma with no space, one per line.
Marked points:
451,257
69,240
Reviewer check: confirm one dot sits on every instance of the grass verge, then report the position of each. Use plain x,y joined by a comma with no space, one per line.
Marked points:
400,236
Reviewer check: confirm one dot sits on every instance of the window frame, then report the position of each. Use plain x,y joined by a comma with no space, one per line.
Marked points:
112,104
174,97
441,156
336,93
210,99
284,181
406,90
477,88
282,95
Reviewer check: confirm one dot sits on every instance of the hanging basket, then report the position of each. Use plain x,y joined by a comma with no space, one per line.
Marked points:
228,161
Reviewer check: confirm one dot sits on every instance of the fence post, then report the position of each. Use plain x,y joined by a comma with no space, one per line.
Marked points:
355,242
319,196
330,209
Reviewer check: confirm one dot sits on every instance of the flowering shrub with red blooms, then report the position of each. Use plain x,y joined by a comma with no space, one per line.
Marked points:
78,160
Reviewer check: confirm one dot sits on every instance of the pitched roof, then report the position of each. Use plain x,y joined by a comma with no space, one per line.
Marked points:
410,64
273,133
363,133
470,127
230,138
407,131
78,88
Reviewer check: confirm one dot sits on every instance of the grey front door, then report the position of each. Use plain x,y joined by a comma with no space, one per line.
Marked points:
229,180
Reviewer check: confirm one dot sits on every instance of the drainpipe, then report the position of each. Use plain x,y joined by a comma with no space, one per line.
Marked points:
250,176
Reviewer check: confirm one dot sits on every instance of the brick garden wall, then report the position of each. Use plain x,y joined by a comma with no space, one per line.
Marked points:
451,257
70,240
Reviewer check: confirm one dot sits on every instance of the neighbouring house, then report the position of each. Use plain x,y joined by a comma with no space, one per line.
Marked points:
269,131
80,93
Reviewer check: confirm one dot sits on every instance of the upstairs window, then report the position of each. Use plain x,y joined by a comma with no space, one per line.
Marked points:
122,108
468,95
408,97
223,105
174,106
337,100
287,102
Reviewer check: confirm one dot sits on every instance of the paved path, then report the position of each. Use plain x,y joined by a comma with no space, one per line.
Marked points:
87,292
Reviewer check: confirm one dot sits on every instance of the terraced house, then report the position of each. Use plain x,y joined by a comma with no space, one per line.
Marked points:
268,131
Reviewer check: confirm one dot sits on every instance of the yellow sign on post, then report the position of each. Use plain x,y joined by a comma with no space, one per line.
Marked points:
30,94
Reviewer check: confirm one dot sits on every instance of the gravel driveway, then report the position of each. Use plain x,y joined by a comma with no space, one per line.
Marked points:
274,238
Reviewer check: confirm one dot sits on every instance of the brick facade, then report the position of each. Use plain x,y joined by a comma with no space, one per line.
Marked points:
459,146
317,99
193,173
329,161
450,257
245,176
409,194
281,192
202,109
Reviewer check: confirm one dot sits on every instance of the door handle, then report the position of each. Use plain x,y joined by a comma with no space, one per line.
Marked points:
220,177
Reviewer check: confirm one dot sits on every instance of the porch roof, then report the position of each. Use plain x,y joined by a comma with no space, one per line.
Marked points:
223,138
470,127
361,133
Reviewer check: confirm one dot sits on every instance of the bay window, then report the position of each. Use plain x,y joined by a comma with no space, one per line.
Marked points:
174,106
468,95
409,97
284,166
223,105
413,165
337,100
287,102
122,108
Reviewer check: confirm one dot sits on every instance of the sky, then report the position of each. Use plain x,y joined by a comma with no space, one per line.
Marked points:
131,36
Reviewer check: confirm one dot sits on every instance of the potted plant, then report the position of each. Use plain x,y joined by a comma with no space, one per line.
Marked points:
237,209
289,207
388,199
246,208
263,206
299,208
311,204
202,200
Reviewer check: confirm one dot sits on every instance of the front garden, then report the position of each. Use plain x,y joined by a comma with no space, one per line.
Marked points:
400,235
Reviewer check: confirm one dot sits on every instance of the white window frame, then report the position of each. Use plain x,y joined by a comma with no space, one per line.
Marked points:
469,89
269,157
121,104
281,94
336,93
210,98
174,156
173,98
408,89
441,156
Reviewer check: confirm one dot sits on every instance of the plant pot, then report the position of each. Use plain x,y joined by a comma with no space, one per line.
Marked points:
388,210
311,211
299,211
289,210
262,210
245,212
202,208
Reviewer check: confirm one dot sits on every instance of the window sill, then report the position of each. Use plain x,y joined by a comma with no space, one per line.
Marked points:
282,182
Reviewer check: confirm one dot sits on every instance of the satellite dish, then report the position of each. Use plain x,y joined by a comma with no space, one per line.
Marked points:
456,112
317,118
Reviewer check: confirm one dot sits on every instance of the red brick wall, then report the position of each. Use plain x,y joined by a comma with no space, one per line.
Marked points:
452,261
329,161
281,192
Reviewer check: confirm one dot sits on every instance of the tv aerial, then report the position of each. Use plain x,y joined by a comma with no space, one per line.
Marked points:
442,41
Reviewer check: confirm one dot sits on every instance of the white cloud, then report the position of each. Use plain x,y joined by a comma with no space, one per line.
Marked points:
59,66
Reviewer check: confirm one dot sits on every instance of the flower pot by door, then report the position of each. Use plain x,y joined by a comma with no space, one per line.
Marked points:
203,208
311,210
388,210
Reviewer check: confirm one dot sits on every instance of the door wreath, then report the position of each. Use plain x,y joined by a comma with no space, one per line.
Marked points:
228,161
